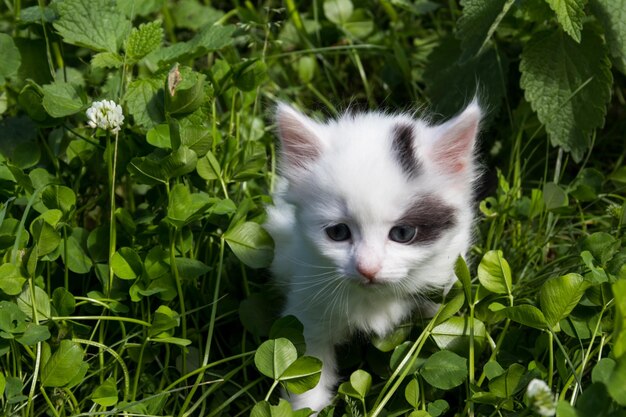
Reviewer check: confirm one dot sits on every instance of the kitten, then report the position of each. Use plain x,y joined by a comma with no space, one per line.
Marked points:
371,213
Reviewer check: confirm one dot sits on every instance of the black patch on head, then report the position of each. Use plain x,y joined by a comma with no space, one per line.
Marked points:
403,137
430,216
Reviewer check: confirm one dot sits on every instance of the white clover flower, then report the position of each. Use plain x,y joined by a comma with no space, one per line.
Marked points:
105,114
541,398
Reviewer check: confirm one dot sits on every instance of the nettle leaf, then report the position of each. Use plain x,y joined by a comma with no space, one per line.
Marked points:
612,15
210,38
107,60
95,24
62,99
64,364
494,273
251,244
568,85
479,21
560,295
570,14
11,59
144,99
444,370
273,357
143,40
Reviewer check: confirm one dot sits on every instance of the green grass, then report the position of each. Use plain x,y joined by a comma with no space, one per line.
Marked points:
133,274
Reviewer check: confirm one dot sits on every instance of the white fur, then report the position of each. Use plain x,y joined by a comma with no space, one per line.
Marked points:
356,179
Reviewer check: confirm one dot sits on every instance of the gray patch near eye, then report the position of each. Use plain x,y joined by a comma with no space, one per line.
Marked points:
431,216
403,137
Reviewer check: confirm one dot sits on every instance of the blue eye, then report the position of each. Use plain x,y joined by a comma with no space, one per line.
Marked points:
402,234
339,232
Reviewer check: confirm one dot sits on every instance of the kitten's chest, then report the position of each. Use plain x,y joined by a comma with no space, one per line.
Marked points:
378,314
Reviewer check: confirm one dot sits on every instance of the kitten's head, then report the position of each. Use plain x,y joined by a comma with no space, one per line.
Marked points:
385,199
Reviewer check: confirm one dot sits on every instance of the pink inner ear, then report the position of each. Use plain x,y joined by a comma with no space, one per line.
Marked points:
300,145
453,149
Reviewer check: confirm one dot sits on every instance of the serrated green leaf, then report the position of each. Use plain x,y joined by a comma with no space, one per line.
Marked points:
11,59
570,14
479,21
62,99
143,40
251,244
144,99
95,24
63,365
107,60
568,85
612,15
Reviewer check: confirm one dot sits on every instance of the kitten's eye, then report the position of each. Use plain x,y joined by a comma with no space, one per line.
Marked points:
339,232
402,234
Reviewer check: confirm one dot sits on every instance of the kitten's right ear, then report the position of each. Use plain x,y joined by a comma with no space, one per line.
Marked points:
299,138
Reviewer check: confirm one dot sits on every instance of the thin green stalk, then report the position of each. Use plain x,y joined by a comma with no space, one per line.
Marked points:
139,368
109,318
111,164
550,359
269,392
207,348
50,405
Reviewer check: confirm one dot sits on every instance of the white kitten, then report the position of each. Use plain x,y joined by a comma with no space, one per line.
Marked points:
371,212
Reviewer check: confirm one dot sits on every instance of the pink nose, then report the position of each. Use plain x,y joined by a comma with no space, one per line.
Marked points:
368,271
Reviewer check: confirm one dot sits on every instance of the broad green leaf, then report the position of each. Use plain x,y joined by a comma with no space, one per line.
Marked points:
208,167
617,382
126,263
11,59
184,206
570,14
190,269
361,382
619,330
11,279
59,197
164,319
95,24
34,334
587,185
494,273
437,408
391,340
273,357
144,99
45,236
143,40
444,370
184,91
558,296
568,85
338,11
479,21
13,390
601,245
63,301
77,259
12,318
107,60
283,409
504,385
105,394
249,75
251,244
302,375
159,167
554,196
612,15
602,370
454,334
527,315
360,24
194,15
210,38
41,303
62,99
290,328
412,393
63,365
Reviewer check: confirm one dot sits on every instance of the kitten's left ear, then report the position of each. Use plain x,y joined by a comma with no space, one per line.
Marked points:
453,148
299,136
